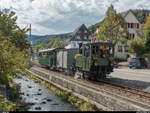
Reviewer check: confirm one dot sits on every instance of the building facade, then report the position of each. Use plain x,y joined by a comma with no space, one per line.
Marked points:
80,35
134,31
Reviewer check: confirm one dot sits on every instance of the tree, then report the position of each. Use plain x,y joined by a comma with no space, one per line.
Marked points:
142,46
57,42
13,48
9,29
12,61
113,28
37,47
138,46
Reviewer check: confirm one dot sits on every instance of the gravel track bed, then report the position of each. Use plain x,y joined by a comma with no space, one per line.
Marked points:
100,86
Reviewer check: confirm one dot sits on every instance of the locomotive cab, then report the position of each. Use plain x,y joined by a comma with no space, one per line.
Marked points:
95,58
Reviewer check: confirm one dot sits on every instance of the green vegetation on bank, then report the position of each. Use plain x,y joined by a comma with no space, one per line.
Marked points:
66,96
13,58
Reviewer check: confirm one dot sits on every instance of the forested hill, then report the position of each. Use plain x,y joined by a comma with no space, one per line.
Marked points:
46,38
141,14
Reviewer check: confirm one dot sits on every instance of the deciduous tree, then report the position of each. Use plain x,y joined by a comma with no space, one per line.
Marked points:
113,28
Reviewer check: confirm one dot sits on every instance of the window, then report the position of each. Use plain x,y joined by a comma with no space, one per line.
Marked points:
78,37
135,25
119,48
87,51
131,25
85,37
111,50
126,48
95,49
130,36
133,35
73,44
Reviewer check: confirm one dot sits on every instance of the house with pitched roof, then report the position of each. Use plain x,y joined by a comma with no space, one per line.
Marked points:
80,35
134,31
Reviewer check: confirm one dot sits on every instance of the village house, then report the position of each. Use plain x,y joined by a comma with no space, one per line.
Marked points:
80,35
134,31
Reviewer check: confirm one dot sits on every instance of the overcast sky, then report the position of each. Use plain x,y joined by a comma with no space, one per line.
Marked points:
62,16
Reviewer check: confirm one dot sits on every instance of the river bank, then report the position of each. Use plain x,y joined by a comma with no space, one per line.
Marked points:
40,98
77,102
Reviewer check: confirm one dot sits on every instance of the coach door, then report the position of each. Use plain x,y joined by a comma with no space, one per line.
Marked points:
86,58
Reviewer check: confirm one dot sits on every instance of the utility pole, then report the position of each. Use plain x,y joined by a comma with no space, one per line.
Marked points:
31,54
30,32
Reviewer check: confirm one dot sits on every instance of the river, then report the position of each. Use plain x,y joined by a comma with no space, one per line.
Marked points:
39,97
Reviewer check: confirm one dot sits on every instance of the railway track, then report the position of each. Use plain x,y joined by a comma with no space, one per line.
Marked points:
118,89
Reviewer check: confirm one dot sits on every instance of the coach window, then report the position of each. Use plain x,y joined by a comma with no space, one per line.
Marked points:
95,49
87,51
40,54
111,50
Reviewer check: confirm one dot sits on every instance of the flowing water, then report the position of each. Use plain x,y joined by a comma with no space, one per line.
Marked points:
39,97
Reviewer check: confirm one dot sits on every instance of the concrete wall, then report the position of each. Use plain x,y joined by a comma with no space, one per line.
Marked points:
107,100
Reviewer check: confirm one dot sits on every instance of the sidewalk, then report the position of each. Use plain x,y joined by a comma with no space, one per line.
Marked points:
125,65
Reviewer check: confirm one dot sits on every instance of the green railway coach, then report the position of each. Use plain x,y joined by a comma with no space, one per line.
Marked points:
47,58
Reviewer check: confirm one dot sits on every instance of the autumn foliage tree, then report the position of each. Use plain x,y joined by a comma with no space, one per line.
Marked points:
113,28
11,30
13,48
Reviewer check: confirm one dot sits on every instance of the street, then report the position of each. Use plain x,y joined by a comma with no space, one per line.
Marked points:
139,78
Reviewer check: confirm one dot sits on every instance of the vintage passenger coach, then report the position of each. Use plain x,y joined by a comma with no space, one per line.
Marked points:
92,60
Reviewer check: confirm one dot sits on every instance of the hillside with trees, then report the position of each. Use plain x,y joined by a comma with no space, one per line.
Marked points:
53,43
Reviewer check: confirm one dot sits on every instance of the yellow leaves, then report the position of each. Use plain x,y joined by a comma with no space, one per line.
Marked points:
11,59
6,105
109,29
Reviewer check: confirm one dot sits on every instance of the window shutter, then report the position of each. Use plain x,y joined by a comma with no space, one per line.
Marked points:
131,25
128,25
138,25
133,36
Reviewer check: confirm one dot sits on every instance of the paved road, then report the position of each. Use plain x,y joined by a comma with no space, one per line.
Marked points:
139,78
132,74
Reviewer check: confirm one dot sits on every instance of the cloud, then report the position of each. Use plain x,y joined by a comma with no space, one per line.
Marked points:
59,16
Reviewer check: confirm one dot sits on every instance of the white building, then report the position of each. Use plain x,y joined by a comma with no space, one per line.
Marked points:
134,31
80,35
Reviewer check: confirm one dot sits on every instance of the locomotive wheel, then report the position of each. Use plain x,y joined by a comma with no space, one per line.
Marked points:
101,75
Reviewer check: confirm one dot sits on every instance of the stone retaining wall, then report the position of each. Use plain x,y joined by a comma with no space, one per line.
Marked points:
106,100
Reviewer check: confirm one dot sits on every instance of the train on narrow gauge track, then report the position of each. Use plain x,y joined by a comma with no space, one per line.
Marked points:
92,60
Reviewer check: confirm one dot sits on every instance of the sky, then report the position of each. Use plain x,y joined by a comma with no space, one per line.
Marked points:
62,16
